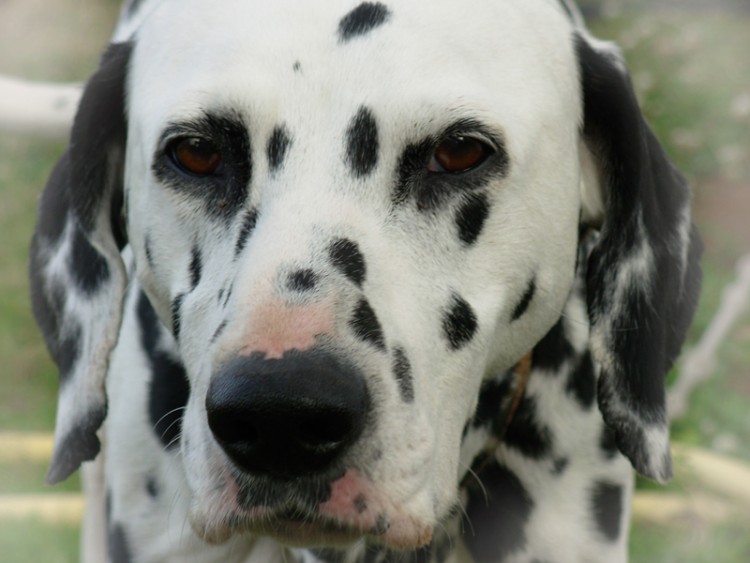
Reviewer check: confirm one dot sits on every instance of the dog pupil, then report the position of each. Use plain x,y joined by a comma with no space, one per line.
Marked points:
459,154
198,156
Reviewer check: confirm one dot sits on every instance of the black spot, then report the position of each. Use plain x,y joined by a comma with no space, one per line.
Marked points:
382,524
228,295
606,502
362,19
224,192
196,268
152,487
360,504
523,304
302,280
297,66
148,251
561,464
362,143
67,351
493,395
278,145
471,217
177,315
80,444
526,434
366,325
402,372
459,323
582,382
553,350
118,220
608,443
219,331
170,390
498,520
248,226
117,545
347,258
87,266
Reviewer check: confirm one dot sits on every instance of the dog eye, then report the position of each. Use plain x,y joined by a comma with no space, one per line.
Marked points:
459,154
196,156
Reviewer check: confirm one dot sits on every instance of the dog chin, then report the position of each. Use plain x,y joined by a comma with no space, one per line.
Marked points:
354,509
402,534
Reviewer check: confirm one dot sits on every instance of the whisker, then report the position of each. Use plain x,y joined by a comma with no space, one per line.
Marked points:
165,415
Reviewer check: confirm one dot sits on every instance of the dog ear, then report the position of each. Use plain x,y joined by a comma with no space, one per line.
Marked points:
643,276
77,275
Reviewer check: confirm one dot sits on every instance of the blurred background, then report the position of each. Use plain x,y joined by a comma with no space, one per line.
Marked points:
690,61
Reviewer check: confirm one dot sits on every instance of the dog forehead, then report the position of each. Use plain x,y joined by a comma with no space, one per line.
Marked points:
518,55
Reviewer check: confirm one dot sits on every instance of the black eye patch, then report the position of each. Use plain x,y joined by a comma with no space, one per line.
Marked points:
207,159
463,158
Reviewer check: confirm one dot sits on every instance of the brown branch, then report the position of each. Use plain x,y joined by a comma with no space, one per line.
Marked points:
698,363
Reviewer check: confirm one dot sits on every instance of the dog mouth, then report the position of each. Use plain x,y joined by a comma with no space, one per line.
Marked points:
297,529
353,510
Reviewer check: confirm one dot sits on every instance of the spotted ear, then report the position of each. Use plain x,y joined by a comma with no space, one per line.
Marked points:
77,275
643,276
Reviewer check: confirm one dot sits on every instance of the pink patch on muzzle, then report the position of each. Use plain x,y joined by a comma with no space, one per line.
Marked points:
276,328
356,503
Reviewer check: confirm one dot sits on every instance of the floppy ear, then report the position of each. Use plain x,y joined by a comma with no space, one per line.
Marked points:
643,274
77,275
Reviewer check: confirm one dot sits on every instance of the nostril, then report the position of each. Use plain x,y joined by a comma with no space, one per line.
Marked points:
325,431
238,431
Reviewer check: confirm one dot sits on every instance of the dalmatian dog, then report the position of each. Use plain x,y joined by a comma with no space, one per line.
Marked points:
361,281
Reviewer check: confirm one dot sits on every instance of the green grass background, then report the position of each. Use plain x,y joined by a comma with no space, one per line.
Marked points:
692,71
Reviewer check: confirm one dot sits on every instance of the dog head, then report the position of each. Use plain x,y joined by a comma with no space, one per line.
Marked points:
348,215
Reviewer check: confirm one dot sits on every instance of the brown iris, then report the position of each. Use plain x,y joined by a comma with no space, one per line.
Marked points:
196,156
459,154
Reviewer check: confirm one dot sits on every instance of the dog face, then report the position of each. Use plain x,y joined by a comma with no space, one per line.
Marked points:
348,215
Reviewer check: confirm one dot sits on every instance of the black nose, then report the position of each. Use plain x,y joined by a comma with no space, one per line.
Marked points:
287,417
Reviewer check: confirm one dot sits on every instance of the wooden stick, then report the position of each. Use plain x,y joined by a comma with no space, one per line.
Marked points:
698,364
